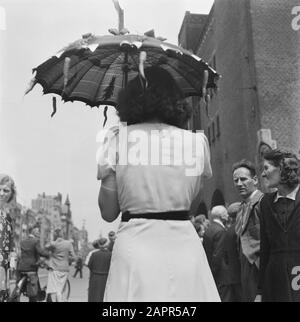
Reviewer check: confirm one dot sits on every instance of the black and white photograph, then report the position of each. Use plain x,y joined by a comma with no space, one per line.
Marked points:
150,152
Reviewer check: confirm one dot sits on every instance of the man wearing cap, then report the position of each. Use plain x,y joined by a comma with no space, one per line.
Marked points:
98,264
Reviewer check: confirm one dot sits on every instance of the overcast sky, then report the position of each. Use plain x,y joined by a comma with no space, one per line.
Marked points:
59,154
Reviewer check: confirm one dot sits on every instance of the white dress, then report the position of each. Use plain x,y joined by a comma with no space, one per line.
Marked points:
158,168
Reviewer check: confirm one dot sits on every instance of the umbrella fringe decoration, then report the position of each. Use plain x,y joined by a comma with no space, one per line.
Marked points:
105,115
53,106
142,60
205,80
66,71
31,84
94,68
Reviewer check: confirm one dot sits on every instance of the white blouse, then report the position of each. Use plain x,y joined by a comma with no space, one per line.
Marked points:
158,167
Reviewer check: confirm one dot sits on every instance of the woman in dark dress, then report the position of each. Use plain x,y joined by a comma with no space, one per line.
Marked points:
280,229
98,263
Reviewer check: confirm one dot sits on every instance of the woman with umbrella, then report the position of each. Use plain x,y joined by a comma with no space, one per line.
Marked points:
146,173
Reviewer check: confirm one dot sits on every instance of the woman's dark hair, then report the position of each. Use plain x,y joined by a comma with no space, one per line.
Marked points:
161,98
288,164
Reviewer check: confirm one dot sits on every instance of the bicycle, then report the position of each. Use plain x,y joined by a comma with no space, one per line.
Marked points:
24,286
66,289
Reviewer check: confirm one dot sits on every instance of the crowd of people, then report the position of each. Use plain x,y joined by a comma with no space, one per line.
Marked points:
248,251
252,245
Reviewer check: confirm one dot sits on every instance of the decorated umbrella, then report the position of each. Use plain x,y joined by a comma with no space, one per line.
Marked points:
95,68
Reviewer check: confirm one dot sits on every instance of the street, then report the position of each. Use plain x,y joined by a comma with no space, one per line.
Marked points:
79,287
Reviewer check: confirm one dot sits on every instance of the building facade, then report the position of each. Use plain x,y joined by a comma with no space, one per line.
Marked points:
255,46
53,214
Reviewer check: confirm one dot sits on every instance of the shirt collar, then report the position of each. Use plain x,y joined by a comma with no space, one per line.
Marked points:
251,196
218,221
292,195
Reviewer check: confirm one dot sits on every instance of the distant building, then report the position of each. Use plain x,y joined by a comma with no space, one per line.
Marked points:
252,44
52,214
46,203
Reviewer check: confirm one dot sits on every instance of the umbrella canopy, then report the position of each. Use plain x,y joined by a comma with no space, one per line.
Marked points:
94,68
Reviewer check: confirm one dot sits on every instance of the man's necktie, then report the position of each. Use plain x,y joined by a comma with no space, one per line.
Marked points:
240,220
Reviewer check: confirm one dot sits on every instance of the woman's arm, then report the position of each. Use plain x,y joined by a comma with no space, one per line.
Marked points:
108,198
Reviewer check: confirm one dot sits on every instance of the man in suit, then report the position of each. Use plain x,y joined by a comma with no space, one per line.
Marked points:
214,247
231,258
29,260
248,226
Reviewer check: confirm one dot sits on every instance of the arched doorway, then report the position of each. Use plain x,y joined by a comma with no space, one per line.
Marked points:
202,209
217,198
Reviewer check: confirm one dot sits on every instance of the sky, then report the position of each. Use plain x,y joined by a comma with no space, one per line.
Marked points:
58,154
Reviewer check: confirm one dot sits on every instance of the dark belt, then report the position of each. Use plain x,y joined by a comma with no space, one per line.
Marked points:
169,215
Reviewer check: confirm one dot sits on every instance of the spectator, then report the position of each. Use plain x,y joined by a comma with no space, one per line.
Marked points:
98,264
213,243
29,262
112,239
247,226
61,250
233,289
78,266
95,245
7,197
199,224
280,229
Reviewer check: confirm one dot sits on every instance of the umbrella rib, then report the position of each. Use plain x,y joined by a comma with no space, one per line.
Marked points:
180,73
107,68
87,70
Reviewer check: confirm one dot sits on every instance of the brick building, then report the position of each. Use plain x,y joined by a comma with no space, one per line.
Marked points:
52,214
255,46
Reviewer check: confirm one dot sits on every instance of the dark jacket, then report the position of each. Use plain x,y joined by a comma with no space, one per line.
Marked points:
231,257
250,237
213,243
79,263
280,253
30,254
98,264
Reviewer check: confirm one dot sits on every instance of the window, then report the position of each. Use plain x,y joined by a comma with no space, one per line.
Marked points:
218,127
